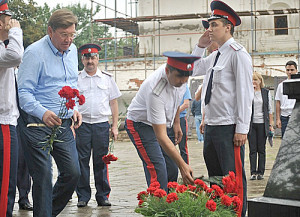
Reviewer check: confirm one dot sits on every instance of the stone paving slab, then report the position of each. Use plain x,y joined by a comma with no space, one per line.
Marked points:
127,180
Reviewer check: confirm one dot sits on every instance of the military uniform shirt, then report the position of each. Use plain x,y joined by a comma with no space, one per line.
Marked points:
98,90
10,57
232,88
157,100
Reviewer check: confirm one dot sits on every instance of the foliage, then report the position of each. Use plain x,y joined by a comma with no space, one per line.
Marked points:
32,19
192,200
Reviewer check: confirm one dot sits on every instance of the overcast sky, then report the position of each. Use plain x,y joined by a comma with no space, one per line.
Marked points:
121,6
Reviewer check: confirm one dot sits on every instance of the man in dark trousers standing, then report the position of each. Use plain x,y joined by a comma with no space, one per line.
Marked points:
228,97
11,51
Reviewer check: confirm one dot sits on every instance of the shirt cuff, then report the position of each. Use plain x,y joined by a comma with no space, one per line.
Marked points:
242,128
39,112
198,51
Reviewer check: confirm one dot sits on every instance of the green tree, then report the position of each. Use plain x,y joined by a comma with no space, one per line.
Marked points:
31,18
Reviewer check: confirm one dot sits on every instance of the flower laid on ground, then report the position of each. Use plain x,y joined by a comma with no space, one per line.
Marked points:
191,200
68,101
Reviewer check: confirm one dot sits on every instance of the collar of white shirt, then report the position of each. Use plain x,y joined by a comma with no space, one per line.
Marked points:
225,45
85,74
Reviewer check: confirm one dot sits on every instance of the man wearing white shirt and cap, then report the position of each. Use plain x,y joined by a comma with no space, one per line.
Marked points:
156,108
101,93
284,105
228,97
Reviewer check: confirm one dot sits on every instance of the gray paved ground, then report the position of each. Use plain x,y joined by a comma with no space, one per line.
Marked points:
127,179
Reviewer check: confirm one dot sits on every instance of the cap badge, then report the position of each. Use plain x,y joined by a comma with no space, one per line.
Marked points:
189,66
89,50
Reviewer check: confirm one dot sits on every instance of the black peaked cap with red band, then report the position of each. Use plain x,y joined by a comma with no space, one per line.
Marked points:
89,50
182,61
4,8
222,10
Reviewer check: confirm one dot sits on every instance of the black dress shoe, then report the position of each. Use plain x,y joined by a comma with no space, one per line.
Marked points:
104,202
260,177
81,204
26,206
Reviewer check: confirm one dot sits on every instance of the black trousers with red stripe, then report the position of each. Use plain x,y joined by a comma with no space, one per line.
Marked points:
158,166
8,169
221,156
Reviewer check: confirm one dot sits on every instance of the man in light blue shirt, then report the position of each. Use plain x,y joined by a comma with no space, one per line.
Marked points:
48,65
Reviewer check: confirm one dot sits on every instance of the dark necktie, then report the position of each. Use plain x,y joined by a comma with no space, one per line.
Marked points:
209,85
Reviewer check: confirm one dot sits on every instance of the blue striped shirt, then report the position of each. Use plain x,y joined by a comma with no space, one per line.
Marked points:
43,72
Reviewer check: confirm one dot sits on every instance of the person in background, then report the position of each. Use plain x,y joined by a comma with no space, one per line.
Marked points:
228,97
154,108
184,105
11,51
196,111
101,94
47,66
261,124
284,105
23,176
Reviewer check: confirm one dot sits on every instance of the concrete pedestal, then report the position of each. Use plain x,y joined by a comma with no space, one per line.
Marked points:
282,194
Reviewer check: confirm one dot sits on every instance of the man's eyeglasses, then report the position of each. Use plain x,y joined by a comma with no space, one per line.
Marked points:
64,35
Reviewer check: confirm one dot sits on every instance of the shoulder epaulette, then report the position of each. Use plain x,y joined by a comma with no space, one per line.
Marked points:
107,73
236,46
159,86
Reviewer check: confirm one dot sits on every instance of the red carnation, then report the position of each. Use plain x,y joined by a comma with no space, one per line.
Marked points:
209,190
160,193
155,184
171,197
218,191
200,183
237,203
76,92
142,195
181,189
226,200
66,92
192,188
70,104
172,185
81,99
141,203
108,158
151,190
211,205
230,186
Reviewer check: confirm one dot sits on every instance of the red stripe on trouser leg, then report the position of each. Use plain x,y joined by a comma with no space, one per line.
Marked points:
239,175
186,138
140,147
6,170
107,178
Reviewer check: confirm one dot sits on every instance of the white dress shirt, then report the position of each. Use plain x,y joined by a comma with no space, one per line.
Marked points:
232,89
98,90
156,107
286,104
10,57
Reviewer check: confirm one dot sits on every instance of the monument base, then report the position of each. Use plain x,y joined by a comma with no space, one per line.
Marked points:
273,207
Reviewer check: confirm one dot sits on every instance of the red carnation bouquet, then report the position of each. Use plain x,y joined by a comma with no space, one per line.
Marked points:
69,96
191,200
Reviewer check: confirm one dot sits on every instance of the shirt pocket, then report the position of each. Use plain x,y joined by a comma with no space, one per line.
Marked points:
103,92
218,75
